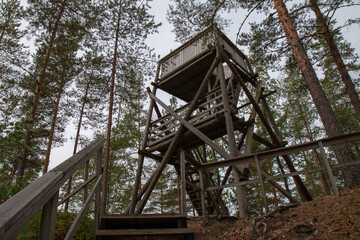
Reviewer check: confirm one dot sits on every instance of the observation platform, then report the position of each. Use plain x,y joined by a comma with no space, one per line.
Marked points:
181,72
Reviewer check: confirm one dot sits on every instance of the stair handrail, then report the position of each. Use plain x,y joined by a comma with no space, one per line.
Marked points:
43,194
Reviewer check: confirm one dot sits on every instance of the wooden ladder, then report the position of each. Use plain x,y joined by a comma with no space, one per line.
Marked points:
144,226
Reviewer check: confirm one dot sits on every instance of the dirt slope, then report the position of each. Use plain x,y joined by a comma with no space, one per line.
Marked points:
331,217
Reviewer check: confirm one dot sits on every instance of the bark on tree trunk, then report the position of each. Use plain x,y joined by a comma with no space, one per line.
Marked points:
345,77
35,102
52,130
342,151
111,105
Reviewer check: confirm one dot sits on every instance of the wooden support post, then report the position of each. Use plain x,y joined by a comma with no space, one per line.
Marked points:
261,180
134,195
68,191
202,192
328,169
86,176
240,190
183,181
48,218
98,191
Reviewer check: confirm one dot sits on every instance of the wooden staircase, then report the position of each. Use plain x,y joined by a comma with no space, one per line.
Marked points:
144,226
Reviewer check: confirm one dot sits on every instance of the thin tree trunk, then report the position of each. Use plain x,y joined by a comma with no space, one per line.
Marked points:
52,130
345,77
68,190
111,104
342,151
35,102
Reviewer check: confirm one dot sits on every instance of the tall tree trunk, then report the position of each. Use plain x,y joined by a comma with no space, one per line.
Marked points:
111,105
52,130
345,77
342,151
81,116
35,102
68,190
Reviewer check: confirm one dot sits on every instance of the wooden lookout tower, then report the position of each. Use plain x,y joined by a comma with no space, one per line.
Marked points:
210,75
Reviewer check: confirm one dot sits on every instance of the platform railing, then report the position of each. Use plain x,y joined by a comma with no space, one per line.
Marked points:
43,194
209,106
198,47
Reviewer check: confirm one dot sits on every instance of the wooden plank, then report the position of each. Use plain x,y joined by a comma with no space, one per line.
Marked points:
183,181
328,169
72,164
134,193
280,176
48,218
202,192
283,151
97,208
146,216
145,232
261,180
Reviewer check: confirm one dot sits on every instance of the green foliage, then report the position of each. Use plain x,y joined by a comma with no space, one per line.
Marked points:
63,223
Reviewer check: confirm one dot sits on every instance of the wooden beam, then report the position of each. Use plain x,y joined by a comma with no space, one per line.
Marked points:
183,181
284,150
137,183
190,159
261,181
240,190
328,169
81,186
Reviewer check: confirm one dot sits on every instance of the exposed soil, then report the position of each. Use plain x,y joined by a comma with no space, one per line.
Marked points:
330,217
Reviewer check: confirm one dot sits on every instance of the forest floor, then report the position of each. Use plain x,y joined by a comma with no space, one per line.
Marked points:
330,217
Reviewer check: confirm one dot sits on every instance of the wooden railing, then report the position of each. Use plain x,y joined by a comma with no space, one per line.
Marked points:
255,159
197,47
43,195
207,109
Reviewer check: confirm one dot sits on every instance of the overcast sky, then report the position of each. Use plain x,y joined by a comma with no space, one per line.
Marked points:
164,41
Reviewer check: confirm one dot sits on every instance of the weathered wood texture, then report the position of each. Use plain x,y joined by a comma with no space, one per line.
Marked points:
17,211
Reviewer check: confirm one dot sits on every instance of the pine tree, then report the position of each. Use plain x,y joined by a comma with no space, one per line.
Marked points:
40,79
332,126
345,76
129,23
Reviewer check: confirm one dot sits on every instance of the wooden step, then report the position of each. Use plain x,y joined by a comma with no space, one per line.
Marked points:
143,221
168,233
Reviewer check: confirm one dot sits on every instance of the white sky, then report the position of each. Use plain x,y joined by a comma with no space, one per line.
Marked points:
164,41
